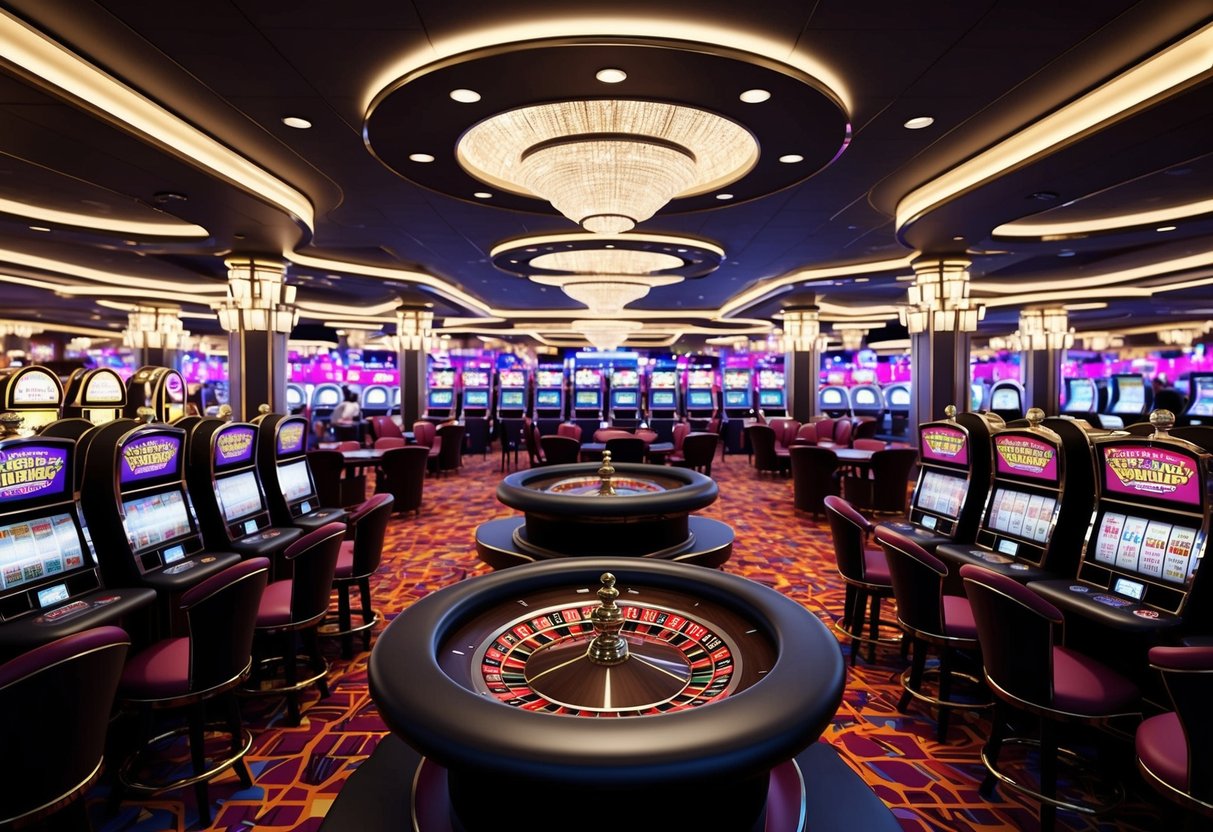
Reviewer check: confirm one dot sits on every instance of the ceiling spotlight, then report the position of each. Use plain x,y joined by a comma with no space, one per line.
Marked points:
919,122
755,96
296,122
724,196
465,96
1066,252
38,228
1165,228
420,157
610,75
482,195
791,158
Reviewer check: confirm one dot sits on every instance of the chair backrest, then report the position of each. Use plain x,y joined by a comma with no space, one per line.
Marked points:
349,445
762,442
559,450
607,434
221,613
1187,673
569,429
866,444
313,559
807,433
891,469
326,467
385,442
917,577
451,453
649,436
785,429
627,448
850,531
866,427
699,449
843,429
1016,629
424,432
534,451
383,427
679,433
59,697
825,429
368,527
814,476
403,472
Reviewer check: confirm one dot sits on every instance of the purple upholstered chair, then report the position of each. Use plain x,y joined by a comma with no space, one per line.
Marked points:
865,571
185,673
1030,671
58,697
360,554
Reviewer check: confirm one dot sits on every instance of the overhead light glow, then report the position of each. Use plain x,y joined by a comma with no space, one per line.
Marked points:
424,158
296,122
791,158
919,122
755,96
611,75
1165,228
482,195
465,96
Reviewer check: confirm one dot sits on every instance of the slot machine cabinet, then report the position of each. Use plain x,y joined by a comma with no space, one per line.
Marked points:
833,401
223,480
290,490
699,395
440,403
1138,581
477,406
134,495
160,388
512,386
549,404
34,393
867,401
325,397
98,395
772,392
1035,518
625,408
663,406
954,472
1006,398
897,406
296,398
51,584
587,399
1200,400
738,389
1082,398
1129,400
376,400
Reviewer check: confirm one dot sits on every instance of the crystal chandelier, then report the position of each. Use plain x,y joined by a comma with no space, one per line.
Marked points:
155,328
1183,336
19,329
605,295
1045,329
607,164
606,335
606,280
258,299
938,299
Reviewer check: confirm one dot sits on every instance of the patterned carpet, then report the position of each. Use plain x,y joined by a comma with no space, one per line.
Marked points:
298,771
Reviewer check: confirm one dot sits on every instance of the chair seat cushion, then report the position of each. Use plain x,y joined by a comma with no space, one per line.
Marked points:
345,561
1083,685
275,608
159,671
958,617
1161,747
876,567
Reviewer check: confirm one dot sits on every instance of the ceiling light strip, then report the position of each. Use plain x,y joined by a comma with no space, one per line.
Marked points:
761,292
1021,228
447,290
91,222
38,57
1194,261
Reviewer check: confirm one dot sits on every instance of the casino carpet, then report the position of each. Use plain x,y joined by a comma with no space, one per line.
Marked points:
298,771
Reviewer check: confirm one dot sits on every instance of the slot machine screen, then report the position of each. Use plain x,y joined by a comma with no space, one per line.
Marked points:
736,379
239,495
736,398
294,397
1026,456
864,397
770,398
1149,474
475,378
547,398
831,397
1202,400
943,443
663,378
549,378
1022,514
899,397
152,519
327,397
375,397
662,398
941,493
1130,395
442,378
977,393
770,378
1149,548
700,378
295,482
699,398
1082,396
1005,398
586,398
512,378
512,398
625,378
441,398
625,398
587,377
476,398
40,547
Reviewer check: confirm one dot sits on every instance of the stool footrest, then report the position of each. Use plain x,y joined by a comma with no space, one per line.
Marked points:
841,627
331,627
275,686
923,696
216,766
1076,761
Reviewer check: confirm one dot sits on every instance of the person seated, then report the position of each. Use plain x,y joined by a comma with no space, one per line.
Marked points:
346,418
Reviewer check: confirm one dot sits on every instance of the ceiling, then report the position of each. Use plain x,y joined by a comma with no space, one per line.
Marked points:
1065,135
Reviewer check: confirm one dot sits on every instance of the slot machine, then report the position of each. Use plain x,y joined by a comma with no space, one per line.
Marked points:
134,496
376,400
1128,400
223,480
954,462
34,393
867,401
160,388
50,581
1006,399
897,406
662,399
215,394
98,395
440,404
1082,399
511,402
699,394
833,401
477,400
290,490
587,397
772,391
1039,504
737,387
296,398
549,405
325,397
1200,400
625,397
1138,581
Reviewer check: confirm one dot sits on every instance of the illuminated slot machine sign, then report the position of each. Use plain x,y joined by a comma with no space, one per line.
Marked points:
772,389
1150,530
98,395
866,400
290,491
33,392
587,388
160,388
737,384
50,582
833,399
1080,395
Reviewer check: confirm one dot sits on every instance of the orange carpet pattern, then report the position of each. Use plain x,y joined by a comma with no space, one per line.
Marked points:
298,771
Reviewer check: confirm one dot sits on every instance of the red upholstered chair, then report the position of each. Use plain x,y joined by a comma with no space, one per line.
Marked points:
385,442
58,698
932,620
866,427
806,434
187,672
607,434
825,429
1173,752
864,444
698,451
1032,673
450,455
814,476
402,474
349,445
361,552
768,457
569,429
649,436
785,430
865,571
291,610
559,450
424,433
843,429
628,448
384,427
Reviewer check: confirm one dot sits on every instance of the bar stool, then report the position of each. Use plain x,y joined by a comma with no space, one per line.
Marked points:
865,571
360,554
932,619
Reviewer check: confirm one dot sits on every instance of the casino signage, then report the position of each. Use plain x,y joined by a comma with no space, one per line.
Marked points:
149,456
1145,470
945,444
30,470
1026,456
234,445
290,438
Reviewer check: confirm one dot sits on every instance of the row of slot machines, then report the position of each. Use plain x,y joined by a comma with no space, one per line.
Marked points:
1109,525
319,401
1112,401
111,523
890,403
37,395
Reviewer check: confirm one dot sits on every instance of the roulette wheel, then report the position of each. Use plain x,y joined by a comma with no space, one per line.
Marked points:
607,693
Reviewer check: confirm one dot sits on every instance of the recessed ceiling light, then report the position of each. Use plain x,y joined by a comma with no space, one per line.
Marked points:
482,195
1165,228
791,158
296,122
1065,252
420,157
919,122
755,96
465,96
38,228
611,75
958,238
724,196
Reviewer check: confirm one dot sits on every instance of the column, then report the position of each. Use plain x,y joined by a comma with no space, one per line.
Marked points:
414,323
939,375
1045,335
258,315
801,338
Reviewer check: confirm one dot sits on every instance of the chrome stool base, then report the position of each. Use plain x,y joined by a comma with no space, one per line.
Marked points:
1075,761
